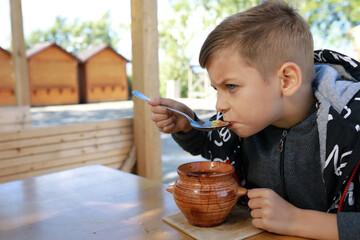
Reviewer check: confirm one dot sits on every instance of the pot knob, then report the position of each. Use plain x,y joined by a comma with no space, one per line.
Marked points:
170,189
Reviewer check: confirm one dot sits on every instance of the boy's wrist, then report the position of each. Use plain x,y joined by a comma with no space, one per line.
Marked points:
299,220
187,129
314,224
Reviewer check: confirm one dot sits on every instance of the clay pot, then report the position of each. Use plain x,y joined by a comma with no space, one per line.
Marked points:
206,192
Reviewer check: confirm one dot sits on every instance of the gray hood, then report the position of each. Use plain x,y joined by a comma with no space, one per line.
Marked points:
333,87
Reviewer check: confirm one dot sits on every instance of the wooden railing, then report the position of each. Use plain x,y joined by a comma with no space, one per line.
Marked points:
37,151
14,118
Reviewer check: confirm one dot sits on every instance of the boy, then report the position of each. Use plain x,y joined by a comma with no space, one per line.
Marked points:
294,133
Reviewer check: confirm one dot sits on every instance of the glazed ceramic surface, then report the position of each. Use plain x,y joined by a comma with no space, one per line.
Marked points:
206,192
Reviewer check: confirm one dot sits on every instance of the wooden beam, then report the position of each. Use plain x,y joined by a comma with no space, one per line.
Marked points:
19,55
145,42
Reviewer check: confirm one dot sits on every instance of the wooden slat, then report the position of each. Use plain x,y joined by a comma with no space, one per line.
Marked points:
55,169
15,114
12,153
83,127
71,137
119,154
115,165
33,152
11,127
14,118
64,154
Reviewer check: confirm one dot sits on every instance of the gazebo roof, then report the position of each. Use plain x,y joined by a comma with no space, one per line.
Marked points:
5,51
91,52
39,47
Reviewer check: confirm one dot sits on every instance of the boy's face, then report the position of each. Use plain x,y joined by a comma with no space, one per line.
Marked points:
244,97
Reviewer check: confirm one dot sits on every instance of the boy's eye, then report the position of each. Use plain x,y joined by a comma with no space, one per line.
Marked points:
231,86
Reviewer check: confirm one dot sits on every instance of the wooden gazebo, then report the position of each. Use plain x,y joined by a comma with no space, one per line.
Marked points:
142,135
53,75
7,79
102,75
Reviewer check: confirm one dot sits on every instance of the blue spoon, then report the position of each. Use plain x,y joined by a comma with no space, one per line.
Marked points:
200,125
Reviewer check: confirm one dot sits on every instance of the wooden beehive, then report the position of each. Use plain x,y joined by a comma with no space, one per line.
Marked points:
7,79
53,75
103,75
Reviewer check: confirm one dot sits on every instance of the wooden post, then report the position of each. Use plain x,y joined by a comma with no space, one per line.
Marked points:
145,64
22,93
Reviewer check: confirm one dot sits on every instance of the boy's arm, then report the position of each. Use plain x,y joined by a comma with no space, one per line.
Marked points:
189,139
219,145
272,213
167,121
320,225
316,224
194,142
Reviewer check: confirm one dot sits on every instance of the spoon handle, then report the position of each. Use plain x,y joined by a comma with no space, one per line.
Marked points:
140,95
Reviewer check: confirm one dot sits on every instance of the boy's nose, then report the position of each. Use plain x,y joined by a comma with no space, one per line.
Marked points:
220,105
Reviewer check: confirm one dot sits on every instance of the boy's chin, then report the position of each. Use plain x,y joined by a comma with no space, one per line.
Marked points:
242,133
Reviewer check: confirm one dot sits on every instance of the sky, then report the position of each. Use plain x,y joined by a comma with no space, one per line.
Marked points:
40,14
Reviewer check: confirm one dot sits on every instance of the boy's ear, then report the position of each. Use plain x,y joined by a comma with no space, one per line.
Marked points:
290,78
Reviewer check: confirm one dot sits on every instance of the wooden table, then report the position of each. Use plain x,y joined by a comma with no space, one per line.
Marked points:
92,202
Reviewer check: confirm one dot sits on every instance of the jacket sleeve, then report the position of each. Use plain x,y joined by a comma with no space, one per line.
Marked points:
218,145
194,142
349,219
348,225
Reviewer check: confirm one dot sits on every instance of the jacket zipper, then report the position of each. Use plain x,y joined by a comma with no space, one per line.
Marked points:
281,150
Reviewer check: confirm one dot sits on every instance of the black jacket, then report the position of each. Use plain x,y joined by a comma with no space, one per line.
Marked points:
338,124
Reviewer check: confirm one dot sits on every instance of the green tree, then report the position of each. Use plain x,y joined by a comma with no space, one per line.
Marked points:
77,36
59,33
174,38
175,34
331,22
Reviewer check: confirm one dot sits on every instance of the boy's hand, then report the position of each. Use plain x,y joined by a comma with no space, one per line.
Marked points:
271,212
168,121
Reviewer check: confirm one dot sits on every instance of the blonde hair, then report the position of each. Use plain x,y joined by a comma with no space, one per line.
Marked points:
267,36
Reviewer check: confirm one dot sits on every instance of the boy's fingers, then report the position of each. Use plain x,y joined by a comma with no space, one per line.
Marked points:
258,192
163,101
161,110
168,128
155,101
168,102
256,213
159,117
252,193
253,203
165,123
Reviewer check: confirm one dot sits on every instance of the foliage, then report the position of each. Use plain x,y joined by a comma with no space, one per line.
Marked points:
77,36
332,19
216,10
174,38
175,34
